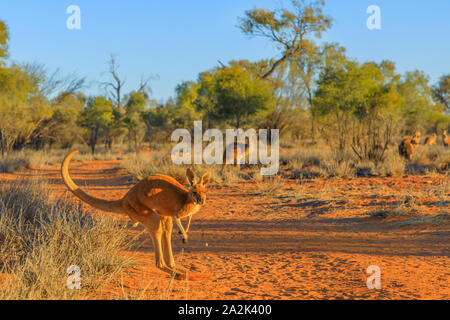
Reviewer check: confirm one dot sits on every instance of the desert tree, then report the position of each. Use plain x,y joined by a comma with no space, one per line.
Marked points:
114,86
158,119
114,90
25,97
285,99
238,95
185,110
294,84
417,98
334,96
367,104
441,91
377,114
224,94
53,84
305,70
60,91
358,97
22,107
135,104
206,100
97,119
4,37
61,128
292,31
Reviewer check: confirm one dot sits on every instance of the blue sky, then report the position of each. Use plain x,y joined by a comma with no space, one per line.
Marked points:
177,39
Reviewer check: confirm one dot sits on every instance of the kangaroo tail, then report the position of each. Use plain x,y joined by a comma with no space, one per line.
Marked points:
105,205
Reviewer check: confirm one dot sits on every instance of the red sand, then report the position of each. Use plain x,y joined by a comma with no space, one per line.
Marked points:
315,246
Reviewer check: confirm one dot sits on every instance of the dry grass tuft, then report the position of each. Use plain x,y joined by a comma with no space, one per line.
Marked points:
13,162
41,238
270,187
410,206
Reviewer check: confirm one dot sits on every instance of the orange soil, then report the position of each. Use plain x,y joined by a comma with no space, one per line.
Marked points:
314,241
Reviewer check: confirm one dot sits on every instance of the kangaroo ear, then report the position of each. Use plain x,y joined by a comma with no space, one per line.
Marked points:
190,175
205,178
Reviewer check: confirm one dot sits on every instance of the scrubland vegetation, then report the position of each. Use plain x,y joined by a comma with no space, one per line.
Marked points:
315,93
41,237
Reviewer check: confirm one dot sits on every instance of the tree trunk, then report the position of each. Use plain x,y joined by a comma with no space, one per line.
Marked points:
93,142
238,120
2,144
274,66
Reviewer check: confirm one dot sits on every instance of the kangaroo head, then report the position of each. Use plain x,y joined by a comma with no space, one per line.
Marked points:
197,191
416,137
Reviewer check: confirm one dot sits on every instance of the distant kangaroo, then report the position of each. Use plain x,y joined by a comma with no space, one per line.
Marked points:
445,138
431,140
416,138
154,202
406,148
